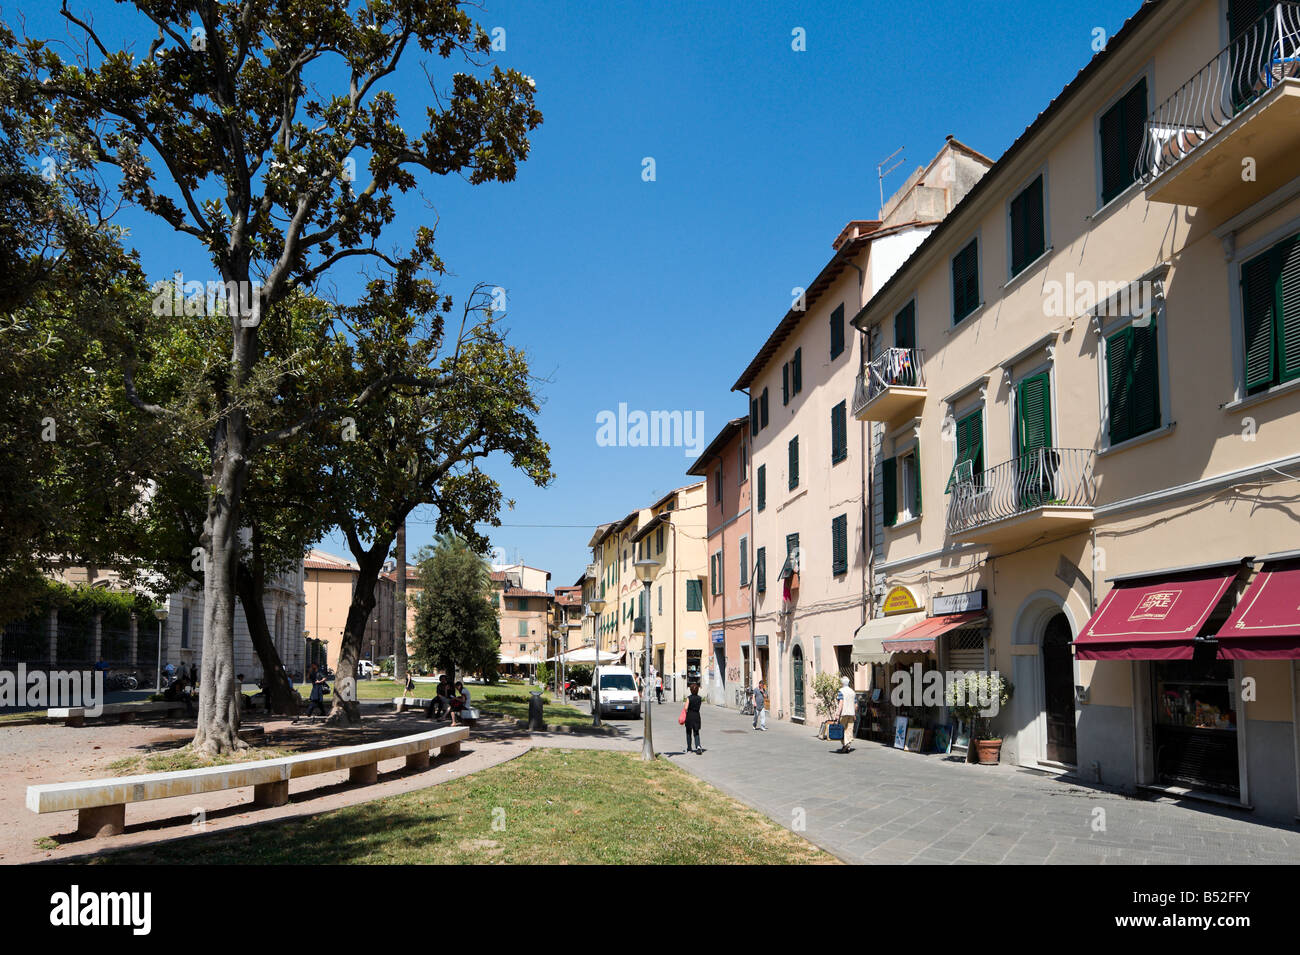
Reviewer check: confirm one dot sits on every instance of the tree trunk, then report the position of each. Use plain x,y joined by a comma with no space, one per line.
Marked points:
346,710
218,719
399,611
275,682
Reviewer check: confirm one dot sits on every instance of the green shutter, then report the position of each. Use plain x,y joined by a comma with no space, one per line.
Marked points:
916,481
970,447
965,282
837,331
1144,393
794,462
1288,257
753,418
760,573
1119,380
1034,410
1027,231
785,383
839,433
762,409
889,491
1121,130
762,486
1259,306
694,595
839,545
796,372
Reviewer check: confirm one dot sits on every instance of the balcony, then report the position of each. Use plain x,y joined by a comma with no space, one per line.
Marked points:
1242,111
891,386
591,571
1047,491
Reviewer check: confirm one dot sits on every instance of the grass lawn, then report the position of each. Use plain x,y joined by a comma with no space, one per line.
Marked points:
184,757
550,806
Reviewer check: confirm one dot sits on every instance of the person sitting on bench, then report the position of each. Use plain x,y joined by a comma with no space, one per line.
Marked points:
439,705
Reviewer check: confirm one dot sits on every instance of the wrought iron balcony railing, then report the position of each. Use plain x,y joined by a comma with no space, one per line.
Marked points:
892,368
1046,477
1254,63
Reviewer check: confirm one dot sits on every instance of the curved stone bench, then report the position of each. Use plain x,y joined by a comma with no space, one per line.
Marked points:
101,803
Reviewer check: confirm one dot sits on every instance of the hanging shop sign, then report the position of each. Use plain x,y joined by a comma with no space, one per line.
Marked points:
760,640
899,600
719,636
959,603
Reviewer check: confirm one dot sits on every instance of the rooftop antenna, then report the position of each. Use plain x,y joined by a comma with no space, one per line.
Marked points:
882,172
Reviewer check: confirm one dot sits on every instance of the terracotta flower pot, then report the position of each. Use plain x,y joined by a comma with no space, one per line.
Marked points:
988,751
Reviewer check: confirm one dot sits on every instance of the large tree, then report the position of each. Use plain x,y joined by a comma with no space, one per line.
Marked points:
429,448
243,127
456,627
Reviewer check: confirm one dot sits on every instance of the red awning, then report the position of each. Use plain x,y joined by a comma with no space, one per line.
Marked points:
1266,622
1153,619
921,637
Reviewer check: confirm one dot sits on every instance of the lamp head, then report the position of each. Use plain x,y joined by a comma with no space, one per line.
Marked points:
646,568
596,604
160,614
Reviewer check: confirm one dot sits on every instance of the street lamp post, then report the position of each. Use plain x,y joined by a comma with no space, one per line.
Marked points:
646,568
594,607
160,614
306,652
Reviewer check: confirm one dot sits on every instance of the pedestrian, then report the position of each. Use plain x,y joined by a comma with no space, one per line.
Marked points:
846,712
194,674
760,706
693,703
659,688
316,702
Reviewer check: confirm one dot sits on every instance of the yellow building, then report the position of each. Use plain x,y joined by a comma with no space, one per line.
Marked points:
1083,477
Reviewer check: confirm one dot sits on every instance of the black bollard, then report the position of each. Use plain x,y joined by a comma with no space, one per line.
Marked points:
535,719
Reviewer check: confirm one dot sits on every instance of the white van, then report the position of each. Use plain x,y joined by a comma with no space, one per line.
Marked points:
366,669
616,692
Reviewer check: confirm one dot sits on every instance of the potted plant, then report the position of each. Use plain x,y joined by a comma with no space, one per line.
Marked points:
969,697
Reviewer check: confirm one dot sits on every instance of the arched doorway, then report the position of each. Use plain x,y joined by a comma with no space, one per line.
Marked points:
796,684
1058,690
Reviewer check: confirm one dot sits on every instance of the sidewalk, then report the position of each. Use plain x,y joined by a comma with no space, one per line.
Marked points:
882,805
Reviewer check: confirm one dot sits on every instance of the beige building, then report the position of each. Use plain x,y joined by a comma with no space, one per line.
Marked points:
328,585
523,607
1083,475
809,536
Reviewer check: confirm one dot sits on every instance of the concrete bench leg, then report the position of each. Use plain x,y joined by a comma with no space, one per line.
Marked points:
400,707
101,820
364,774
451,749
127,717
75,721
418,760
271,794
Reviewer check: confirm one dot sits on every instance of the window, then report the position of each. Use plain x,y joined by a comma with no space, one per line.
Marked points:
742,463
839,433
717,485
1132,382
744,562
901,490
496,600
760,570
694,595
715,573
753,418
791,545
905,326
523,646
659,541
661,600
965,281
1270,310
840,545
762,486
970,447
794,462
523,628
762,408
792,377
1120,131
185,628
1028,234
837,331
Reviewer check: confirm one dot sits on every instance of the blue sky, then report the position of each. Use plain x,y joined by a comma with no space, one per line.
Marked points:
657,294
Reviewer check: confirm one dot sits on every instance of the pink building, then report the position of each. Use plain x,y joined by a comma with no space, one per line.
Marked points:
724,465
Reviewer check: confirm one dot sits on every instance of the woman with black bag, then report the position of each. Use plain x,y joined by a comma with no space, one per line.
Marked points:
693,703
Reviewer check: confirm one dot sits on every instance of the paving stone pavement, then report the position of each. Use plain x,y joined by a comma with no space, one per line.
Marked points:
878,804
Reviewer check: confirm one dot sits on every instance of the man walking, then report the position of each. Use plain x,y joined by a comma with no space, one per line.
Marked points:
760,706
846,712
